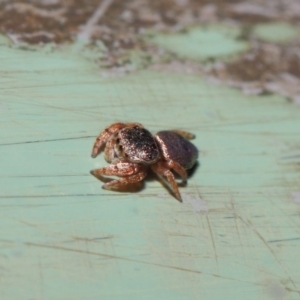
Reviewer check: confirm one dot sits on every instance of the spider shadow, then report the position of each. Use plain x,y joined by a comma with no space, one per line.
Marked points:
191,172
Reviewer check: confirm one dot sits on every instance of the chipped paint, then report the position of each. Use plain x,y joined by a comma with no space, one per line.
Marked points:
196,203
296,197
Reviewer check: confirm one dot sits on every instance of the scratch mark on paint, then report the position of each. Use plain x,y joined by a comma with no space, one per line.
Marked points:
261,270
47,85
58,196
41,176
235,220
62,184
284,240
291,156
75,110
77,238
291,290
212,238
254,230
74,238
41,277
288,216
50,140
30,244
179,234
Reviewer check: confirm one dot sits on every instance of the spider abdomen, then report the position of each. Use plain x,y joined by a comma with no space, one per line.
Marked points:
175,147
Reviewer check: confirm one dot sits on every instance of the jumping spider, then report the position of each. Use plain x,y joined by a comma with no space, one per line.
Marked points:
131,150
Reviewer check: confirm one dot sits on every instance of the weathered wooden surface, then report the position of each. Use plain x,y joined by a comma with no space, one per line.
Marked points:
236,236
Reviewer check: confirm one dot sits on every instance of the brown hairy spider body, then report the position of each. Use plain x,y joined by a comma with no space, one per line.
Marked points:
132,150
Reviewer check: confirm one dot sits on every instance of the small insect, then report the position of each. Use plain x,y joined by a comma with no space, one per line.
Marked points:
131,150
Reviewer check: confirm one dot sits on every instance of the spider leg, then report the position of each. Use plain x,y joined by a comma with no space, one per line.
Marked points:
104,135
185,134
116,184
178,169
118,169
109,151
162,169
130,173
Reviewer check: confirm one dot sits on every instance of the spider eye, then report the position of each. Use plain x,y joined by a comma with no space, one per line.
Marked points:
117,141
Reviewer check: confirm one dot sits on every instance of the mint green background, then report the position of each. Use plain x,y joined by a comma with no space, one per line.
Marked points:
236,236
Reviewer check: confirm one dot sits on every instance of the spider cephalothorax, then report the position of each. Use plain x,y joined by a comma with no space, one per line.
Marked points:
131,149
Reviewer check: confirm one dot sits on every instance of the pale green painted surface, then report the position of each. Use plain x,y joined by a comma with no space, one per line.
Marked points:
236,236
278,32
201,43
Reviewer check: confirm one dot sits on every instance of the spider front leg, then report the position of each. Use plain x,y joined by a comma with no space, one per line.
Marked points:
103,137
130,173
122,182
